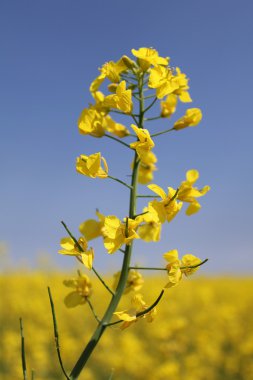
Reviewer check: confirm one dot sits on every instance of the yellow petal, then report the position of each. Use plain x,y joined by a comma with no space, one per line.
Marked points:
158,190
67,243
91,229
187,261
127,315
73,299
193,208
158,211
150,231
111,226
93,163
97,83
87,258
192,175
185,97
175,275
171,256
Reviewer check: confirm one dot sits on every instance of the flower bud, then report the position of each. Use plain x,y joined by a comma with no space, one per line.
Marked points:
130,64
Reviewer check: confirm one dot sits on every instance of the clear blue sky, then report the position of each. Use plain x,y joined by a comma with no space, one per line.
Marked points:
50,52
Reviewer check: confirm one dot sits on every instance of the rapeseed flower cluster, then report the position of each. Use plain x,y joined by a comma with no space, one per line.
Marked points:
136,85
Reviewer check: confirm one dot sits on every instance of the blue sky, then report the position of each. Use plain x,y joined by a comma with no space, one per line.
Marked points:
50,52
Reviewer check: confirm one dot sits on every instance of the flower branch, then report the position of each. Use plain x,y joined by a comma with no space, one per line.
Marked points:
92,310
120,181
56,334
23,358
161,133
118,140
81,250
151,105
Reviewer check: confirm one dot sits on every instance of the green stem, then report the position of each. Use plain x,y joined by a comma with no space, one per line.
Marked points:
135,120
72,236
149,96
118,140
194,266
152,306
102,281
119,180
142,213
184,267
151,105
23,349
148,196
145,97
147,268
127,76
56,334
153,118
161,133
92,310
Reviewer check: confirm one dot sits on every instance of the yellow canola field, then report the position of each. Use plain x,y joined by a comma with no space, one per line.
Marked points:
203,331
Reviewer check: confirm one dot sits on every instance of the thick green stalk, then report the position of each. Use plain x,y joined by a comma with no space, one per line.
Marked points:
125,266
118,293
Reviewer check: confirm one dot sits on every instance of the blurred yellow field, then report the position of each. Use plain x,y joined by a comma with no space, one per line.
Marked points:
203,330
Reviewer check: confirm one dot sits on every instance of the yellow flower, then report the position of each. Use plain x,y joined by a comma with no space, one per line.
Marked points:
91,166
187,262
146,168
112,70
117,233
191,118
116,129
92,122
178,267
145,143
134,281
96,84
174,272
162,79
167,208
145,173
130,316
148,56
121,100
188,193
182,81
91,228
151,229
79,250
168,106
82,290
